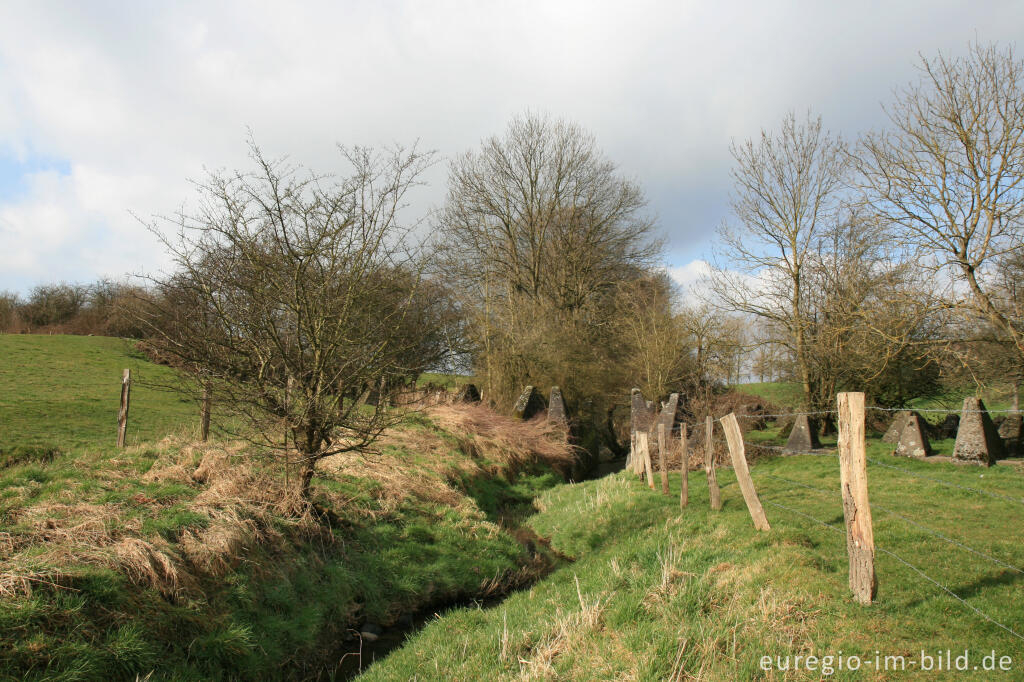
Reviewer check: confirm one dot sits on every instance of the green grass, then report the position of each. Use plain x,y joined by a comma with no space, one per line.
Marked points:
655,591
780,393
280,603
64,392
446,380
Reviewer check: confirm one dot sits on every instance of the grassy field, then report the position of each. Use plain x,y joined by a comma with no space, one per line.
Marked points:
788,395
64,392
193,561
781,393
660,594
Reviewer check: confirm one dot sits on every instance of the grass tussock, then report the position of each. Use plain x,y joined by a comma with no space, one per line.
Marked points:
514,444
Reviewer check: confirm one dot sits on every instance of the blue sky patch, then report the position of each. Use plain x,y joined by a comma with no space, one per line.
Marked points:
14,172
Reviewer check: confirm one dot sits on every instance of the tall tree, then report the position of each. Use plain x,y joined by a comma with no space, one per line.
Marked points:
949,175
787,188
541,230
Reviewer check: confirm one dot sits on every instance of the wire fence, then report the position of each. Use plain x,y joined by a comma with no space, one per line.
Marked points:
911,522
896,516
909,565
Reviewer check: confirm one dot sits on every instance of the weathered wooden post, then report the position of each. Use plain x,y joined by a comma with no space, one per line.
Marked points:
853,479
122,415
684,468
734,437
643,445
709,464
204,415
662,445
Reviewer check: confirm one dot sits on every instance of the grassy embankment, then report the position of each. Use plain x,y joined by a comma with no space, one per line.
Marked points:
189,561
659,594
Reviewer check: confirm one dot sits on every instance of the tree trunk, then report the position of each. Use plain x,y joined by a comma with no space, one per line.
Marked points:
306,475
801,353
611,440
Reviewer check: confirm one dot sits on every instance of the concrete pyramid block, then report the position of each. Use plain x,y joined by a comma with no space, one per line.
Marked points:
556,407
804,435
667,416
913,440
640,416
529,404
977,440
892,434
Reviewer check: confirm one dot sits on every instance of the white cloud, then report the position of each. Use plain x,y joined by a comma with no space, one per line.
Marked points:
136,97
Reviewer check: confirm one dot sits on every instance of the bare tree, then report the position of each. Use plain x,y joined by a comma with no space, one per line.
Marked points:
293,294
787,189
870,315
950,174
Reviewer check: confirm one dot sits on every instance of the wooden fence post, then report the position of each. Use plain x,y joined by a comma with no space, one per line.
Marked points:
684,467
643,445
122,415
662,445
853,479
734,437
709,464
204,415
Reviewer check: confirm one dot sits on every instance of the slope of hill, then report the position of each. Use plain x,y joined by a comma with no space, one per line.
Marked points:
182,560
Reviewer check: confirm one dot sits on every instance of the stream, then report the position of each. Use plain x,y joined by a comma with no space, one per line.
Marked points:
361,649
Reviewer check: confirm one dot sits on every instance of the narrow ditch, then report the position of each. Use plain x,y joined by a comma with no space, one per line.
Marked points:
372,643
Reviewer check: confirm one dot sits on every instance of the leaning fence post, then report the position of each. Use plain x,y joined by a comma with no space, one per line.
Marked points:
122,415
204,415
734,437
661,458
643,444
853,479
709,464
684,468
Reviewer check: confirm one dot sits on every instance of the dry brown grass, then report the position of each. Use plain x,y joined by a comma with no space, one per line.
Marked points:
569,632
511,442
247,502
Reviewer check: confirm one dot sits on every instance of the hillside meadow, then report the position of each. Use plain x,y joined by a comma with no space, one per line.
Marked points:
172,559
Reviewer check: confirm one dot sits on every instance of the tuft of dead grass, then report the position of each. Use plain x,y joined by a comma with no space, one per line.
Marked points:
148,566
567,632
511,442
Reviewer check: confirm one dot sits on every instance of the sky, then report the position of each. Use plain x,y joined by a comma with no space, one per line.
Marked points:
108,108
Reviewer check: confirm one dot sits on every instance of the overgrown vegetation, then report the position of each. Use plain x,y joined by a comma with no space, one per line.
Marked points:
200,561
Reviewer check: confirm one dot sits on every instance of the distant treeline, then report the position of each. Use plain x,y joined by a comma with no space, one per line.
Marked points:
103,308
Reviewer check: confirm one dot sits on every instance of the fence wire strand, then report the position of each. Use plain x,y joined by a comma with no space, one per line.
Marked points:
936,533
941,410
908,565
916,474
